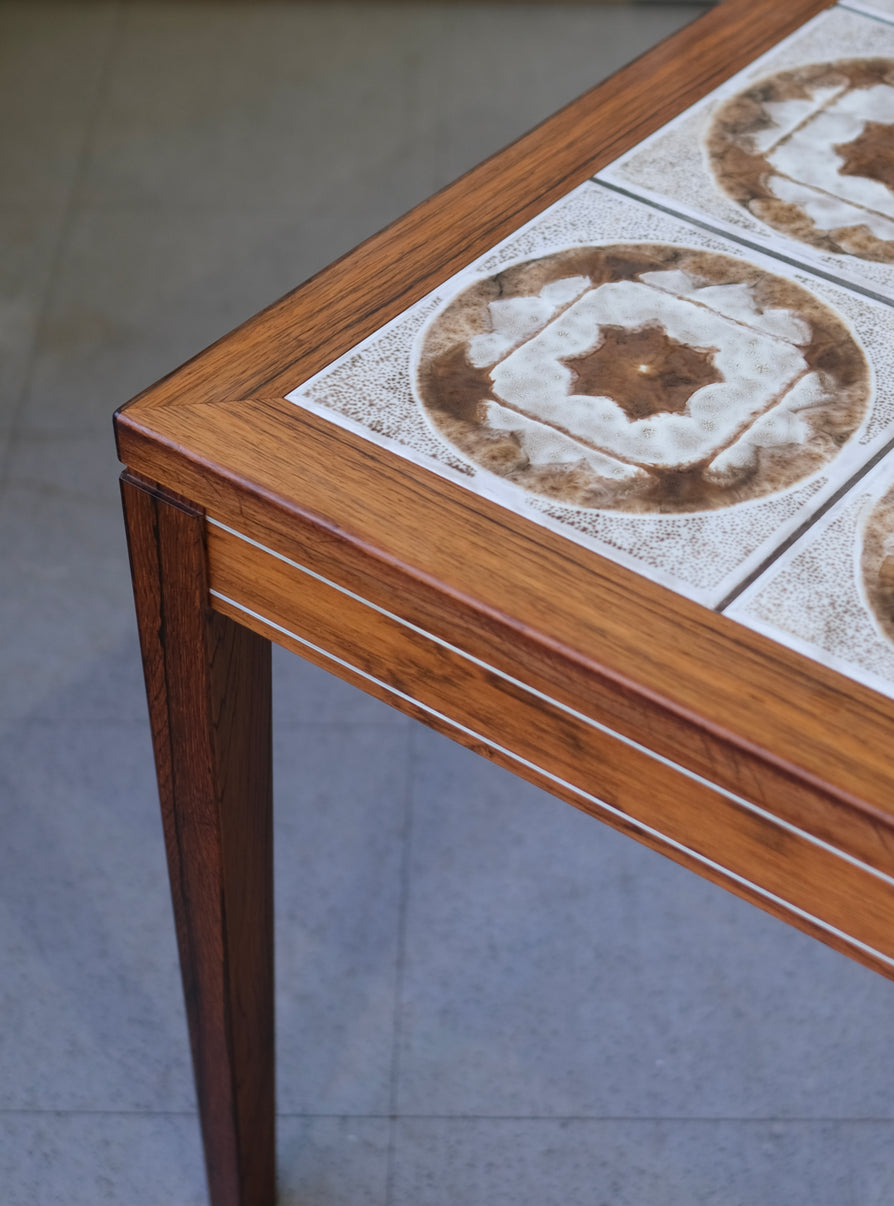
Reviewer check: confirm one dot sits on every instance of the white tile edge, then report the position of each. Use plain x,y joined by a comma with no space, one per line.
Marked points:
807,648
727,87
693,776
864,493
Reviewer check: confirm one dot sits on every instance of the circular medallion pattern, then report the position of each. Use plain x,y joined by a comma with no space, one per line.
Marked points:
877,562
810,152
642,377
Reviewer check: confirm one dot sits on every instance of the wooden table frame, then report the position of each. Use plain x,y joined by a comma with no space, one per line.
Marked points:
251,520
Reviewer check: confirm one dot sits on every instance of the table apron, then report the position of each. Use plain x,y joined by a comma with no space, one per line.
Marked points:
726,838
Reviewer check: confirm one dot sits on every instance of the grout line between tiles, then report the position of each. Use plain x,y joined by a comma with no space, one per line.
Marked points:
102,1113
813,518
873,14
65,226
413,1116
759,1120
860,473
742,241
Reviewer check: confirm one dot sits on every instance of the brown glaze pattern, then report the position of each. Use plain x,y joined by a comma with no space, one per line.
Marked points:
877,562
644,370
773,149
870,154
692,380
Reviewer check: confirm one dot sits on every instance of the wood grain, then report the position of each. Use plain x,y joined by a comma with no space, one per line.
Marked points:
499,714
738,708
208,687
747,714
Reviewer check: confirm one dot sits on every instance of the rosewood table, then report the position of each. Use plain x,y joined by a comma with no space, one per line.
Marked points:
585,462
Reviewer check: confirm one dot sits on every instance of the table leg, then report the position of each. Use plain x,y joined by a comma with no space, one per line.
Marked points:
208,684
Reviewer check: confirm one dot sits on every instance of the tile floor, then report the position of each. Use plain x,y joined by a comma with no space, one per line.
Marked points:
484,997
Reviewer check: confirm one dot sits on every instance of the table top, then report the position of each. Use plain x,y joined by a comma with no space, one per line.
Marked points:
614,414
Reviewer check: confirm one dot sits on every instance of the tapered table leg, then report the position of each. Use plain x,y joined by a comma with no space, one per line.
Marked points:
208,684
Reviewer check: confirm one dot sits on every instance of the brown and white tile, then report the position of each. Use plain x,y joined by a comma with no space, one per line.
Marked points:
831,595
634,383
795,153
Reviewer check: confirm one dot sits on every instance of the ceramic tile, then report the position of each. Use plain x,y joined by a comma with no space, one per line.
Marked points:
101,1160
272,106
576,1162
332,1161
28,237
793,153
870,1146
65,592
340,815
139,289
633,383
90,992
554,968
78,469
831,595
105,1159
306,694
52,59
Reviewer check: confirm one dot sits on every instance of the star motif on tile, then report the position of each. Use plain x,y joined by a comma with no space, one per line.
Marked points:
870,154
645,371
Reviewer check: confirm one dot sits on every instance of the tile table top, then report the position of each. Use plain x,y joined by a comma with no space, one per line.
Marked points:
635,383
687,364
831,595
792,154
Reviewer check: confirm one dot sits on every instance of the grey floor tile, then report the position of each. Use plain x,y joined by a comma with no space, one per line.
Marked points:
485,1162
91,998
554,967
28,238
138,291
340,816
870,1147
107,1159
332,1161
52,58
495,70
74,467
91,994
101,1160
5,439
65,594
186,234
62,534
306,694
213,104
551,966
